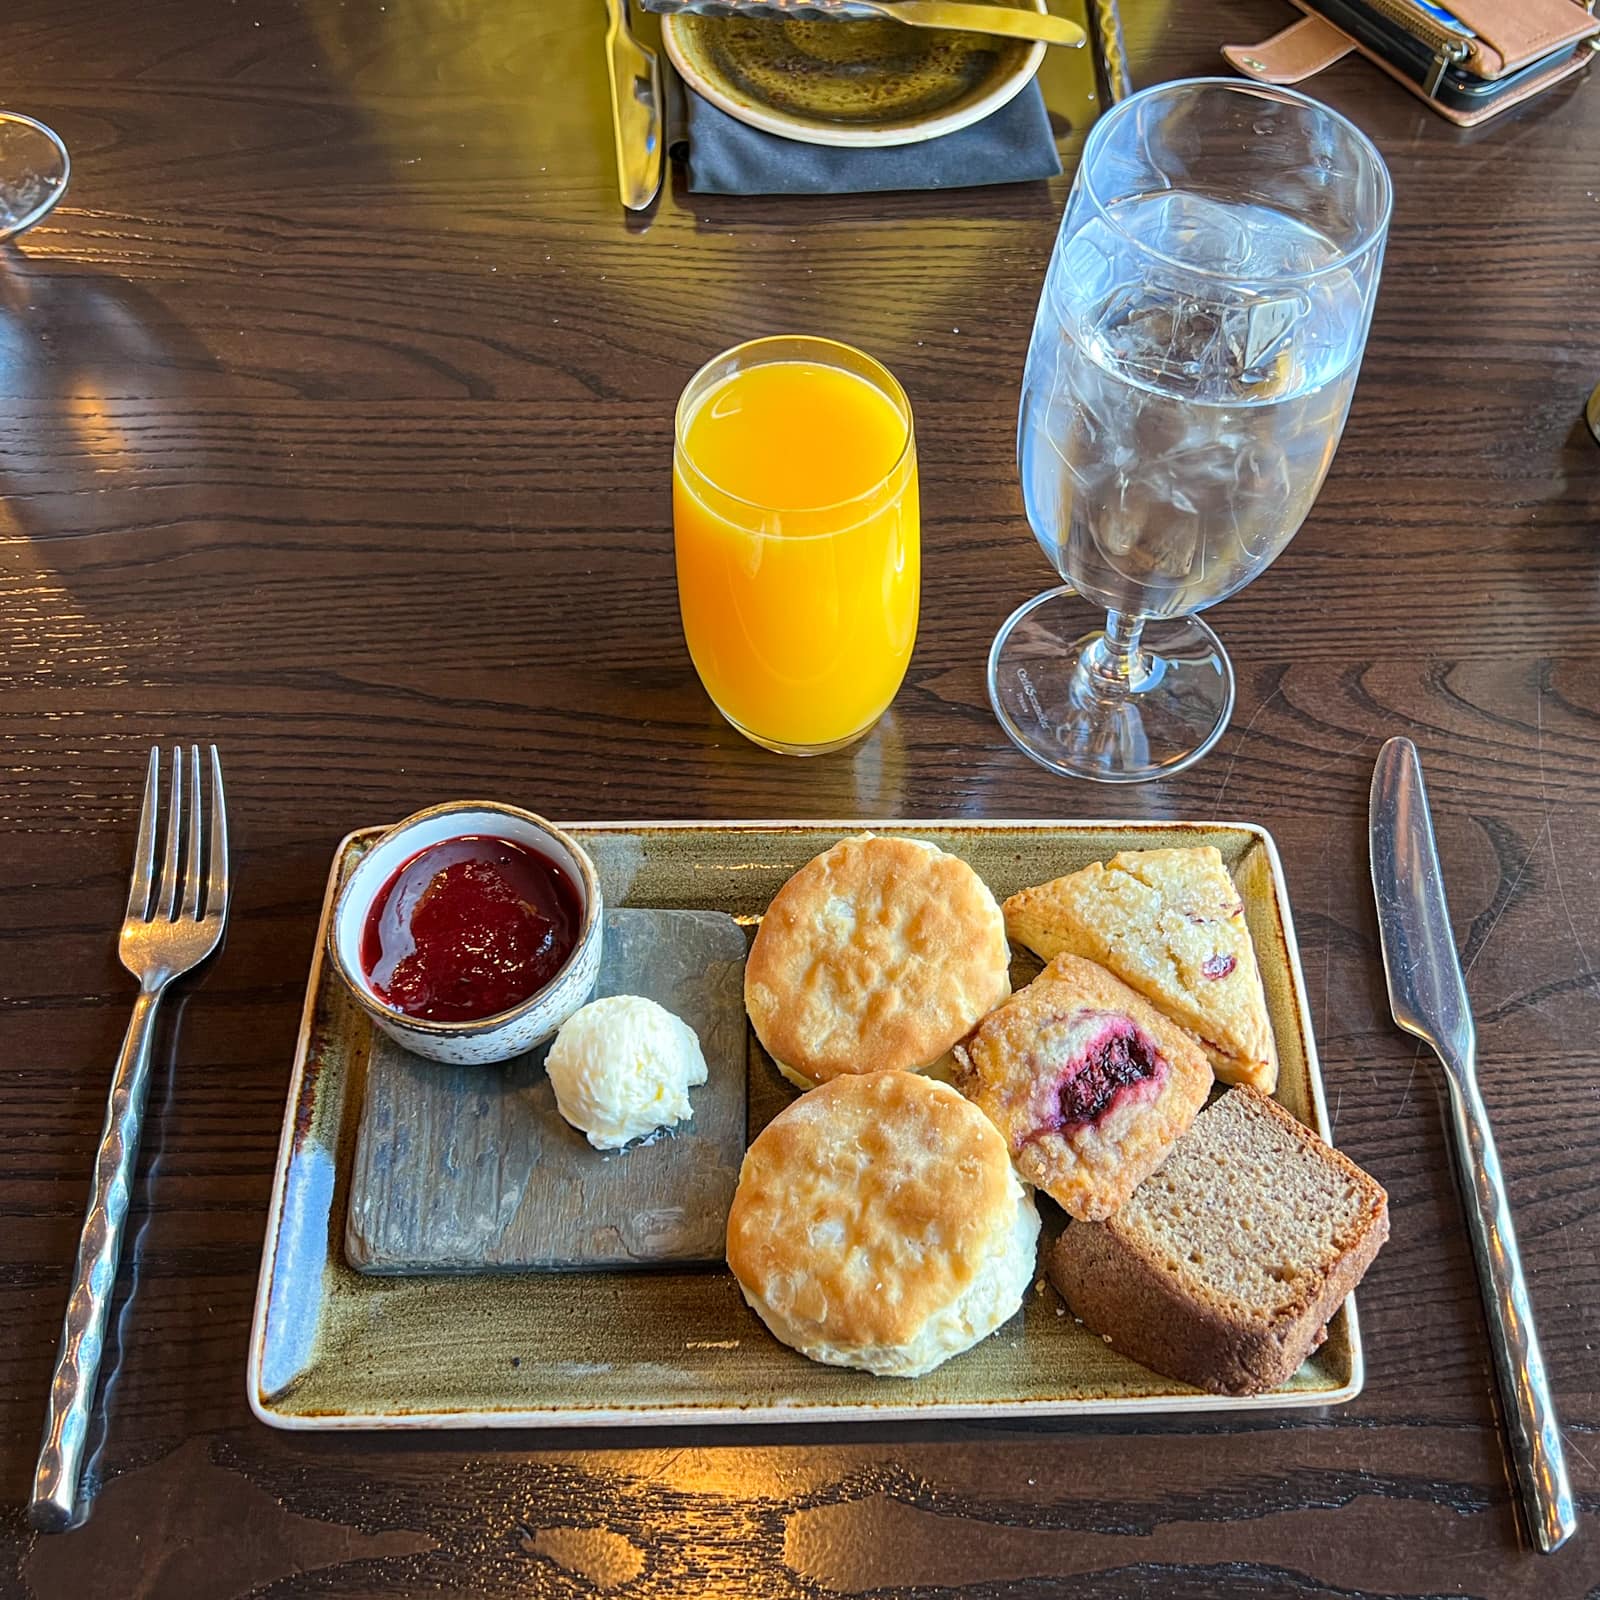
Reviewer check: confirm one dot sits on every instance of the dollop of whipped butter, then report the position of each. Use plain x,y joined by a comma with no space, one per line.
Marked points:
622,1067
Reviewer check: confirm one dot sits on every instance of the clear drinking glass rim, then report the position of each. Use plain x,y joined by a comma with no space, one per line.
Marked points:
50,202
1264,91
891,386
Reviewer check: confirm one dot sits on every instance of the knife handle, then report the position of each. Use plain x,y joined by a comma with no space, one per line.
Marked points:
1534,1432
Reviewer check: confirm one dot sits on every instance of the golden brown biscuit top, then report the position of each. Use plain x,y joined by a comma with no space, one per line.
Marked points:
868,1205
878,955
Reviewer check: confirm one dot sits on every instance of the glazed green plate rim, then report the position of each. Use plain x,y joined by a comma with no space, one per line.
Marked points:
1004,86
892,1400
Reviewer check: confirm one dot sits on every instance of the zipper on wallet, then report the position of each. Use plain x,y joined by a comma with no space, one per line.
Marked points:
1449,47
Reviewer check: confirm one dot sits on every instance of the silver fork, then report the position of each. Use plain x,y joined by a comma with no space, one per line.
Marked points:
171,926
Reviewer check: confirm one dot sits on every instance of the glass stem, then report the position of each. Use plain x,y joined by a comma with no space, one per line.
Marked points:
1118,667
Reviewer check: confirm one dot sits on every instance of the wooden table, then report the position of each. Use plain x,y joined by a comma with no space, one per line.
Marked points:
335,413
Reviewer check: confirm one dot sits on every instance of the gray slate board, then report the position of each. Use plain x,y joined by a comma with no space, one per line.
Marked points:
472,1169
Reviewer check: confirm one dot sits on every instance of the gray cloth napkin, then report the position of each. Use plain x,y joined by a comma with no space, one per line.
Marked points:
1013,145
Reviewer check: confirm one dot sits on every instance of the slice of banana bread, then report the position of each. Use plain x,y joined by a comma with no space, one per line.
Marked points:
1223,1268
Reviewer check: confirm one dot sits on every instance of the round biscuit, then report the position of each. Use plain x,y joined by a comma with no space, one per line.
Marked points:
878,955
878,1223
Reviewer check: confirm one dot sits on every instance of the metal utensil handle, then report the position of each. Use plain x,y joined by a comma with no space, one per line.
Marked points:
66,1428
1111,49
767,10
1535,1434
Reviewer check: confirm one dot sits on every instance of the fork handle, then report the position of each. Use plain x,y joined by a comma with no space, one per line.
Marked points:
66,1428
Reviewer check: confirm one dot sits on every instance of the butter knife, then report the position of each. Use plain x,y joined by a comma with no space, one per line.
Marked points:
1428,996
1013,22
636,114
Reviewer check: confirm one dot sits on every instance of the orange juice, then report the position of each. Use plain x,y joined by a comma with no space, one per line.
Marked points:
798,540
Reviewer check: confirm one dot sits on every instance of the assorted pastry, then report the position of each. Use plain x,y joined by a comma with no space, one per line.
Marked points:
1224,1268
1090,1085
1170,924
885,1221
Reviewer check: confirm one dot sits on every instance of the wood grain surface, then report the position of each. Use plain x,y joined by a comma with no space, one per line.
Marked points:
335,410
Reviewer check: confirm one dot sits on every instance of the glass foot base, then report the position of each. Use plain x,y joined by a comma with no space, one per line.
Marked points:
1058,695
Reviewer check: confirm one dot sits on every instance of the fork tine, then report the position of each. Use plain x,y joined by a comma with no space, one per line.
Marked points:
191,871
169,860
144,851
217,890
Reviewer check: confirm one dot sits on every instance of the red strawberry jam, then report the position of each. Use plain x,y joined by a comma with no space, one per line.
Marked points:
468,928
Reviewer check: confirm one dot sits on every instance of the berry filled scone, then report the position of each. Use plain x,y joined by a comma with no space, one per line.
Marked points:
1169,924
1090,1085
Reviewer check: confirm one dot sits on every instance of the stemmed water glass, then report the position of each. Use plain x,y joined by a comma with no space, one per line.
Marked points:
1193,357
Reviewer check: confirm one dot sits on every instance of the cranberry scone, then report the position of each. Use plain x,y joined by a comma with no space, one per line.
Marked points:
1171,925
1090,1085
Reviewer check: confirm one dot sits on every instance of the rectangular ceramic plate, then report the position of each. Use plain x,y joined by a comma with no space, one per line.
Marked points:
331,1348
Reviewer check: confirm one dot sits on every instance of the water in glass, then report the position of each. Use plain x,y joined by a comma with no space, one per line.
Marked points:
1176,424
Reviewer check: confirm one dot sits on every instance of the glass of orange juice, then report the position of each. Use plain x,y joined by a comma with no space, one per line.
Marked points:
795,519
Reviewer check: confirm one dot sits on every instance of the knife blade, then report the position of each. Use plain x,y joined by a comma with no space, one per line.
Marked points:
636,114
1428,996
1426,990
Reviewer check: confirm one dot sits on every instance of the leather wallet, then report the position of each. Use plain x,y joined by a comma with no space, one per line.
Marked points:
1469,60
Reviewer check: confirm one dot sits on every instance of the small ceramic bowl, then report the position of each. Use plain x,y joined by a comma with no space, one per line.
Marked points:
507,1033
